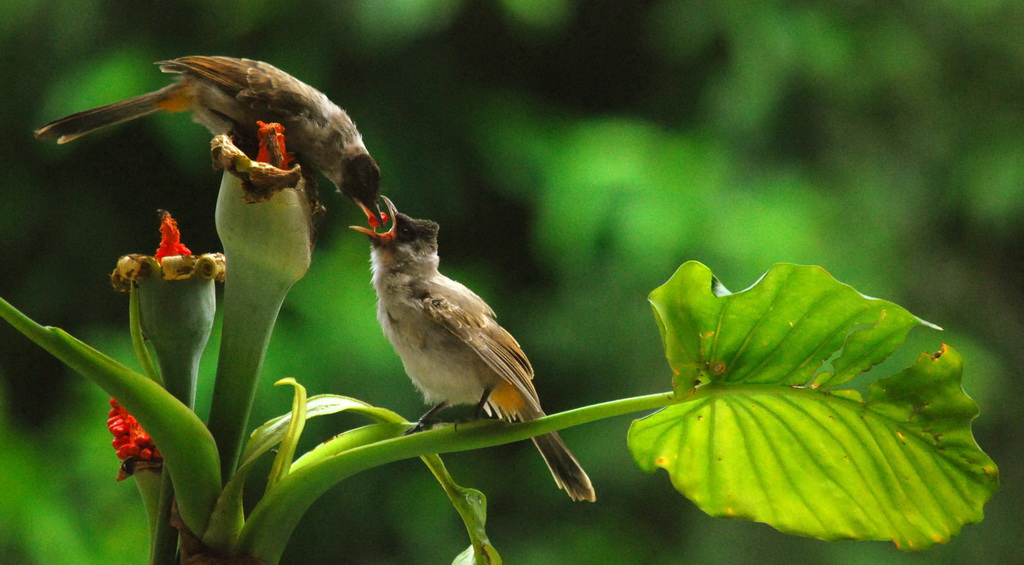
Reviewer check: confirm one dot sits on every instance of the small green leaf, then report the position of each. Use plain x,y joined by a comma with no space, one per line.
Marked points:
471,505
285,455
274,518
228,514
767,437
227,518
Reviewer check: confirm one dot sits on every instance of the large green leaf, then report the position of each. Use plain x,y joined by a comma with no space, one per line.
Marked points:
768,435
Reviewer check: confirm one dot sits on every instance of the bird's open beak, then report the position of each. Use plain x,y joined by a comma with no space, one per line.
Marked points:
373,214
371,218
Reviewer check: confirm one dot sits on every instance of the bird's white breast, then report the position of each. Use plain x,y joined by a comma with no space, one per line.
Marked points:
441,366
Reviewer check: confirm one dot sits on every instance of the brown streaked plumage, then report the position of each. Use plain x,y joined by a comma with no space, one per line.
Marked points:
229,95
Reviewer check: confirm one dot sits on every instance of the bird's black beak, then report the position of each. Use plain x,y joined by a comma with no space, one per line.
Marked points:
361,183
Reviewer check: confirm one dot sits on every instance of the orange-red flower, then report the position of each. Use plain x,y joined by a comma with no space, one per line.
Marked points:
130,440
269,135
170,238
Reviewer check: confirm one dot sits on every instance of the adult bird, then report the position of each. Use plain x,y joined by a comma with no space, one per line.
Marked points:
229,95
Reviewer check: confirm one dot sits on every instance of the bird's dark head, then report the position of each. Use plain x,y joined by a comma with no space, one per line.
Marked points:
407,234
360,181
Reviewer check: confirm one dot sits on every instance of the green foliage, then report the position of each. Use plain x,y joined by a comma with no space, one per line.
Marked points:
228,516
770,434
757,427
881,141
267,533
187,445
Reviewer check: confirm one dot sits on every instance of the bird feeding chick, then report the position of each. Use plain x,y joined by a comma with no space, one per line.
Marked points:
231,96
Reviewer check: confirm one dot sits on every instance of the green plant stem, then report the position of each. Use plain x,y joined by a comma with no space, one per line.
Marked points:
147,480
138,341
251,304
164,540
163,537
272,521
178,316
267,246
469,503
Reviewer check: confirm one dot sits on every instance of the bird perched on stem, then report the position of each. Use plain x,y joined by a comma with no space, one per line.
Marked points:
452,348
229,95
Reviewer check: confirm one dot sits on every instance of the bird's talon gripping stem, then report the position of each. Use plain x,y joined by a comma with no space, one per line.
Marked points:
427,419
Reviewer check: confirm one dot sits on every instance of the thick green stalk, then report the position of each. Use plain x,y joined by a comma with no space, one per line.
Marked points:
267,246
250,305
158,495
147,480
271,523
177,317
156,491
164,538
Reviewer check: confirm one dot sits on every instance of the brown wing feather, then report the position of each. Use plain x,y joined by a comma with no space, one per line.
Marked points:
275,90
260,86
490,341
228,73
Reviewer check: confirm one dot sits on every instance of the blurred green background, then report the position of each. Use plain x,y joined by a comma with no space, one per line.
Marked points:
574,153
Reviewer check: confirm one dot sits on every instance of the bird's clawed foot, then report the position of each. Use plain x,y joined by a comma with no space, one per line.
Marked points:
427,420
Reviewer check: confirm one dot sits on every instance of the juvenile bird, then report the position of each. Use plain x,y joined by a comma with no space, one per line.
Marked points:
452,348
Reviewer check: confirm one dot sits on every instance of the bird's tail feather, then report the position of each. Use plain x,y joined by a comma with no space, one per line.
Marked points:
564,467
80,123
